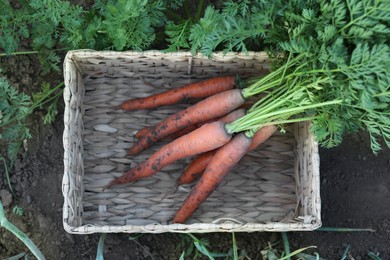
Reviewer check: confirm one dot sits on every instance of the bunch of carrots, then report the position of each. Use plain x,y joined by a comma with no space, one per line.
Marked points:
328,70
199,130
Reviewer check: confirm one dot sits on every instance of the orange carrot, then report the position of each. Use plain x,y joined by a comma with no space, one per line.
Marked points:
212,107
261,136
208,137
185,131
225,158
195,90
196,168
144,131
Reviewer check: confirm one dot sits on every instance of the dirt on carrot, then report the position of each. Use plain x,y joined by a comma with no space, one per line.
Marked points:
208,137
225,158
196,167
212,107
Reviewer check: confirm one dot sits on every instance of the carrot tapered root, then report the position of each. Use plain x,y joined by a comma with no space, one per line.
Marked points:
224,159
261,136
196,168
212,107
208,137
227,119
195,90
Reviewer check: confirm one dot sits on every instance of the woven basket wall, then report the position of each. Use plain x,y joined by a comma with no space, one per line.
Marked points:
274,188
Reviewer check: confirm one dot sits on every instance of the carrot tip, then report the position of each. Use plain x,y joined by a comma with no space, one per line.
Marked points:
108,186
131,153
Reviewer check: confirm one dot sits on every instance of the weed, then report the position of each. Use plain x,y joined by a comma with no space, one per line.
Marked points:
18,210
15,107
100,248
19,234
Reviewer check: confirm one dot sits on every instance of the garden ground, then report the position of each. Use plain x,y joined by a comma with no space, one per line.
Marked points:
354,190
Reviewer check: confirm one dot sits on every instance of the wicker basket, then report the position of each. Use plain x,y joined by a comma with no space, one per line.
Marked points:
274,188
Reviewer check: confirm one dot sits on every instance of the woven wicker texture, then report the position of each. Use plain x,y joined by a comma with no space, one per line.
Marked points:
274,188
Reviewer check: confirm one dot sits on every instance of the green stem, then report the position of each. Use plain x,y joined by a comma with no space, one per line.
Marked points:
199,10
19,234
255,120
289,121
269,98
187,9
336,229
357,19
270,80
387,93
27,52
301,108
19,53
100,249
295,74
7,174
235,249
286,245
44,99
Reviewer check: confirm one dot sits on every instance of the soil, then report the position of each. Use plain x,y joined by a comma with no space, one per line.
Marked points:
354,190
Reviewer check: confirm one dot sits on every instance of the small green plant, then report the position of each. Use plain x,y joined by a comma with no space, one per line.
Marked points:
100,248
18,210
15,107
273,253
178,30
19,234
5,166
199,247
51,24
374,256
346,254
124,24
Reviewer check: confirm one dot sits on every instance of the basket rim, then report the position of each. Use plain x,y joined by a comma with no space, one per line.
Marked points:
196,228
218,55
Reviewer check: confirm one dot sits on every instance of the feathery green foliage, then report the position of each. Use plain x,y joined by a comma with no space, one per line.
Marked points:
15,107
128,24
14,26
233,28
336,63
53,21
109,24
19,234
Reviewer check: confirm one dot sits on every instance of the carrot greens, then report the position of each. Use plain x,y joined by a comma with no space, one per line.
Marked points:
333,68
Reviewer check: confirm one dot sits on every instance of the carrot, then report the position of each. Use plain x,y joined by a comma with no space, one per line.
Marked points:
195,90
212,107
261,136
225,158
196,168
144,131
185,131
208,137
